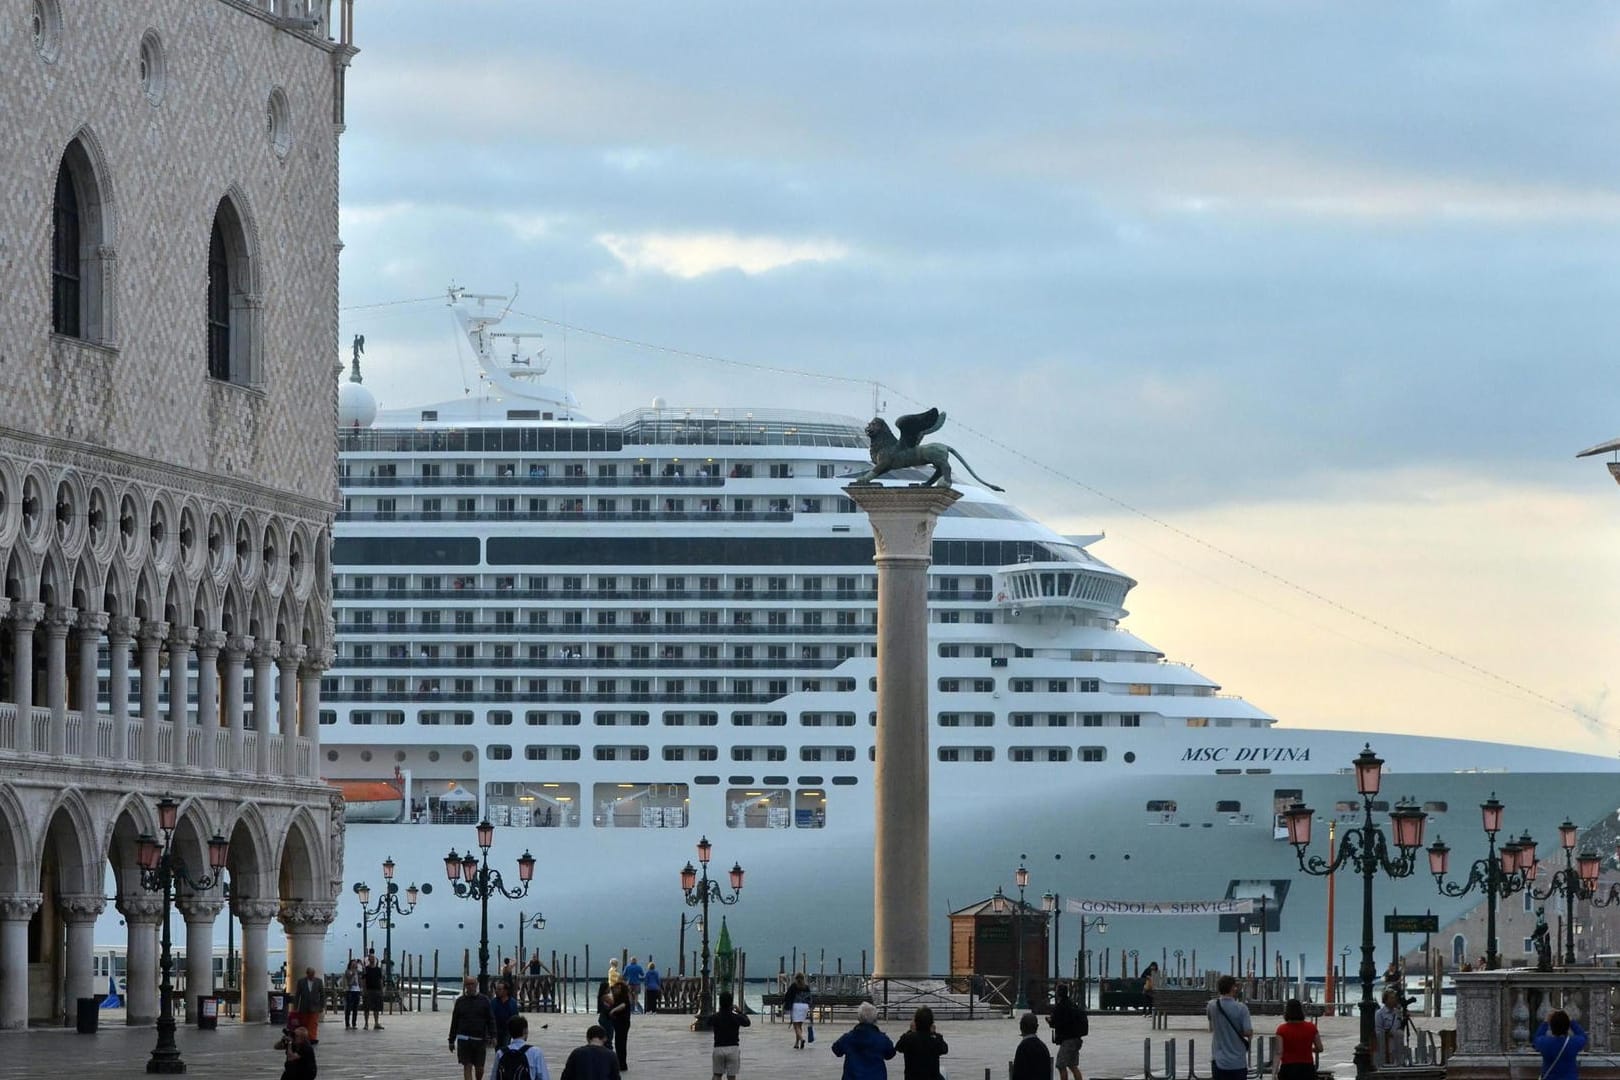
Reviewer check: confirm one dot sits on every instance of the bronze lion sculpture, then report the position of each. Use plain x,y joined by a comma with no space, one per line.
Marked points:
890,452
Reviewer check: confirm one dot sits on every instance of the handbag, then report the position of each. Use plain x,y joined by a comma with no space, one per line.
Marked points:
810,1033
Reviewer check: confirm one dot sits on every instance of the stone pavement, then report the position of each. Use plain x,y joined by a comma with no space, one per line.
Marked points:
413,1046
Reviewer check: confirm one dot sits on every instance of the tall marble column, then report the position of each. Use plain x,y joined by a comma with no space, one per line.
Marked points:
199,913
121,631
25,616
16,909
90,627
79,913
255,916
903,520
58,621
264,717
305,923
309,705
291,657
153,633
180,639
236,649
209,643
143,915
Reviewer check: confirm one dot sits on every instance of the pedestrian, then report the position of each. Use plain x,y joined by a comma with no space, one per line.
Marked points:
614,977
619,1014
655,986
1070,1026
503,1007
351,995
1559,1039
371,991
1230,1032
472,1029
1388,1038
593,1061
1149,977
725,1023
922,1046
796,1003
301,1056
864,1048
1032,1060
309,999
634,973
508,969
519,1060
604,1011
1301,1044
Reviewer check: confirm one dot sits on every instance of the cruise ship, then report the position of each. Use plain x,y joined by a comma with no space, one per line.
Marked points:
611,637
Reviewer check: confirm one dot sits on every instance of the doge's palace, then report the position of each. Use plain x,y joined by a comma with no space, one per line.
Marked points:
168,333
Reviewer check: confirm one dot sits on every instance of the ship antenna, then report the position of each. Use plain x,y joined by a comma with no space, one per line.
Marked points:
359,347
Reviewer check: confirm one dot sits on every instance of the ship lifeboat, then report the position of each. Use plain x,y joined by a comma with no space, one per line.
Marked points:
371,801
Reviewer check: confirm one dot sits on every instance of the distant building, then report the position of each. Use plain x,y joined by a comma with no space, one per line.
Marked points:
168,319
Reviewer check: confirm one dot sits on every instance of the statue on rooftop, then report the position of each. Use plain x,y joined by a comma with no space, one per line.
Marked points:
907,450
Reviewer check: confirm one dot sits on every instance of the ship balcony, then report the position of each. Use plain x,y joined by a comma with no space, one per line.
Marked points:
515,629
526,480
530,665
775,516
1042,589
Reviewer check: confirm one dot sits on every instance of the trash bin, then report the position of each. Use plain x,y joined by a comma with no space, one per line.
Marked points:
207,1012
278,1008
89,1010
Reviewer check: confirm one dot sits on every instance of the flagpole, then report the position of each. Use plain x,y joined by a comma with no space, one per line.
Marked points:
1327,995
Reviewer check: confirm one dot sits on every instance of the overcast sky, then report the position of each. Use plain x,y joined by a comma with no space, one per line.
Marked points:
1333,289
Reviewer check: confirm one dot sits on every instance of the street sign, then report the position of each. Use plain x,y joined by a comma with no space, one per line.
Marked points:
1411,924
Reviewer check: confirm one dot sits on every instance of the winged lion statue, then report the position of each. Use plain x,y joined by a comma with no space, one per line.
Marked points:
890,452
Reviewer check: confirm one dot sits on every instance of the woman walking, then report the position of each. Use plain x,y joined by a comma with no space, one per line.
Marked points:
796,1003
351,994
922,1047
1301,1044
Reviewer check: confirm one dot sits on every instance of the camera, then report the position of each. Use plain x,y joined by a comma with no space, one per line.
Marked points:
1409,1001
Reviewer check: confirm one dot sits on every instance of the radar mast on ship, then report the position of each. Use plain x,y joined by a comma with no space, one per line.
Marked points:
509,372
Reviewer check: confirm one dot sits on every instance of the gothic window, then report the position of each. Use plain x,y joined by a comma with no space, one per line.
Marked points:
231,313
81,248
219,307
65,272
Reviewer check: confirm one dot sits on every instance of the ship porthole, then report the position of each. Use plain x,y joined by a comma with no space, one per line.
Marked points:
331,755
365,755
399,755
466,755
433,755
1130,756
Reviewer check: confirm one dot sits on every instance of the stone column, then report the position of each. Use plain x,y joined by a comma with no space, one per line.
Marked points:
264,659
903,522
79,913
25,616
58,621
90,627
16,909
199,913
305,923
180,639
291,656
236,649
144,915
255,916
121,630
309,705
151,636
209,642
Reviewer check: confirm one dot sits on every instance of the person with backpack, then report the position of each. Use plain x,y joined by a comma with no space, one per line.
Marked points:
1070,1026
518,1059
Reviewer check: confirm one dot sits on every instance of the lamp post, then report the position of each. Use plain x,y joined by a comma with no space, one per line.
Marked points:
1569,882
388,905
1049,905
472,879
537,921
161,868
687,920
702,890
1367,851
1099,924
1021,877
1500,874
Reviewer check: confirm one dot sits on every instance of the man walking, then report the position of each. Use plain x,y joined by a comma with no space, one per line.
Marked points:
371,991
1032,1060
507,1064
634,974
1070,1025
472,1029
309,1000
593,1061
1230,1032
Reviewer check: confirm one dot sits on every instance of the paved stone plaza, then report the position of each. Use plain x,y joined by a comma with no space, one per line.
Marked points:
414,1046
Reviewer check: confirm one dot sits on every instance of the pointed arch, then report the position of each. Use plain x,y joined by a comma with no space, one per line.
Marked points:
16,845
86,594
302,873
205,607
74,843
253,867
132,818
233,311
22,575
84,232
233,617
54,583
147,594
117,598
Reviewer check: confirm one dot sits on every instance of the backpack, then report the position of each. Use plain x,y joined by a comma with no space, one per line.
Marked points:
513,1064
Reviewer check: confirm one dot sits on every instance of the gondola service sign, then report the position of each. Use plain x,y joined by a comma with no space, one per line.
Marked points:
1241,906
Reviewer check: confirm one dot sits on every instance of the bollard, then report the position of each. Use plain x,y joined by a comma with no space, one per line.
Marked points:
1192,1070
1264,1052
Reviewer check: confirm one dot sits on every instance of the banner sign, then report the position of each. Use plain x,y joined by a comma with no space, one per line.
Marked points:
1162,907
1411,924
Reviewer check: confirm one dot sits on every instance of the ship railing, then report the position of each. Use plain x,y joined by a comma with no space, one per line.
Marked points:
565,515
517,697
528,480
860,629
531,665
643,595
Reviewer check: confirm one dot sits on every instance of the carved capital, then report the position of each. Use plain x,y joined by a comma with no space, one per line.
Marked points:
81,907
18,906
903,519
297,915
317,661
265,652
59,620
153,633
92,623
256,911
291,656
140,909
200,908
209,642
122,629
181,637
239,644
25,614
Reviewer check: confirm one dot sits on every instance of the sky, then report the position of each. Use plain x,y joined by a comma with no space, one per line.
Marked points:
1307,307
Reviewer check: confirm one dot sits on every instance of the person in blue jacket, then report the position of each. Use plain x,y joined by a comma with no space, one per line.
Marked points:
1559,1039
864,1048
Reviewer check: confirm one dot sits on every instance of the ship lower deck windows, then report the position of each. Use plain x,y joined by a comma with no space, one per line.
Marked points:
640,806
558,717
1092,753
691,753
498,752
972,719
758,808
759,719
620,753
827,719
376,716
826,753
620,719
499,717
959,753
445,717
759,753
1040,719
1130,720
550,752
1038,753
533,804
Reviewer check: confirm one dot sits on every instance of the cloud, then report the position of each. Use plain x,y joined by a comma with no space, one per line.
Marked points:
691,255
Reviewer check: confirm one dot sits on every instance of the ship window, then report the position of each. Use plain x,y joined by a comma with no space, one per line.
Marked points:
1023,686
758,808
759,753
639,805
1346,806
1436,806
706,780
846,781
759,719
500,717
826,753
691,719
1093,753
538,717
810,808
691,753
827,719
950,753
536,752
1090,686
1228,806
620,753
950,686
498,752
1130,720
621,719
1161,806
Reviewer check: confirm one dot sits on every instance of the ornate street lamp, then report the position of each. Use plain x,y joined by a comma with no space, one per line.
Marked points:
1568,882
472,879
1500,874
1021,878
700,891
161,869
1367,851
388,905
537,921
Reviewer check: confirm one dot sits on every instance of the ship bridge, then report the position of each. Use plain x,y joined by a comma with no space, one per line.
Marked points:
1055,588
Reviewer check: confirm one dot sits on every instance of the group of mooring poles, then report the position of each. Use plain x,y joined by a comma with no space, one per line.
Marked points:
1261,1063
